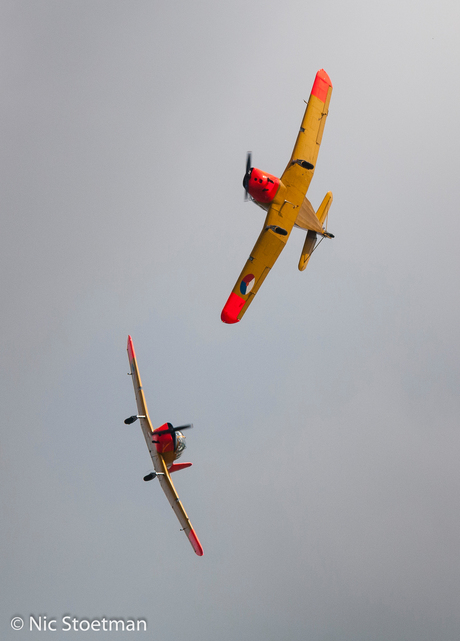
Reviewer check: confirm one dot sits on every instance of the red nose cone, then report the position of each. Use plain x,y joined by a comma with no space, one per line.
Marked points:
262,186
163,442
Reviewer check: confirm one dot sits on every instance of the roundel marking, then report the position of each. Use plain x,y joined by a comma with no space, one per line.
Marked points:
247,284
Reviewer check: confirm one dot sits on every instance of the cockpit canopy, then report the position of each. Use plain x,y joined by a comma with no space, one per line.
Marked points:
180,444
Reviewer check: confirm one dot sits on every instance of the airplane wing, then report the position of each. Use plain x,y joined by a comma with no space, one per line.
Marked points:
287,204
158,461
173,498
266,250
301,167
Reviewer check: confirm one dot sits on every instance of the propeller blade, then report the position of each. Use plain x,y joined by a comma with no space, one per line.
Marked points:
174,429
183,427
248,169
248,161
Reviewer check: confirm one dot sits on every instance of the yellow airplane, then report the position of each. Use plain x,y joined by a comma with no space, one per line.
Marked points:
284,200
166,444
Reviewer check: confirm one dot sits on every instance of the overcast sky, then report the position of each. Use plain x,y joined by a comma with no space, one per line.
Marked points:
325,480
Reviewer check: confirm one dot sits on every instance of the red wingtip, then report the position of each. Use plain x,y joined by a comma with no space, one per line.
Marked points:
232,308
324,76
131,352
321,85
196,545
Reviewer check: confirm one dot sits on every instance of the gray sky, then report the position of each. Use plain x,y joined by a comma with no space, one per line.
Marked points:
325,485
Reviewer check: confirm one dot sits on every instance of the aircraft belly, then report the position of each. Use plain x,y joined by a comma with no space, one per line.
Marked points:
159,464
286,206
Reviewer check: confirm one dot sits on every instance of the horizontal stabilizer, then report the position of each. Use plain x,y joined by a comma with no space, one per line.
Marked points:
308,219
306,216
175,467
307,250
324,207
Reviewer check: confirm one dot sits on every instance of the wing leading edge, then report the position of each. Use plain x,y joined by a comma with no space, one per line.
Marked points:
157,460
287,203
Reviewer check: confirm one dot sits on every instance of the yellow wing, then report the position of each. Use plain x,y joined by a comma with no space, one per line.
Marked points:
157,459
266,250
288,205
301,167
173,498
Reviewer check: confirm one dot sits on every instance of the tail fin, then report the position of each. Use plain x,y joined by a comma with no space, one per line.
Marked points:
310,240
307,218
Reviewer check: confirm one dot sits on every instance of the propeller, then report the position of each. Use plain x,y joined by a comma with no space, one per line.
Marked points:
246,177
174,429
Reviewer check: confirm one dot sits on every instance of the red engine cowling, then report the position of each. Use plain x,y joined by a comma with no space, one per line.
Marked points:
169,441
262,187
